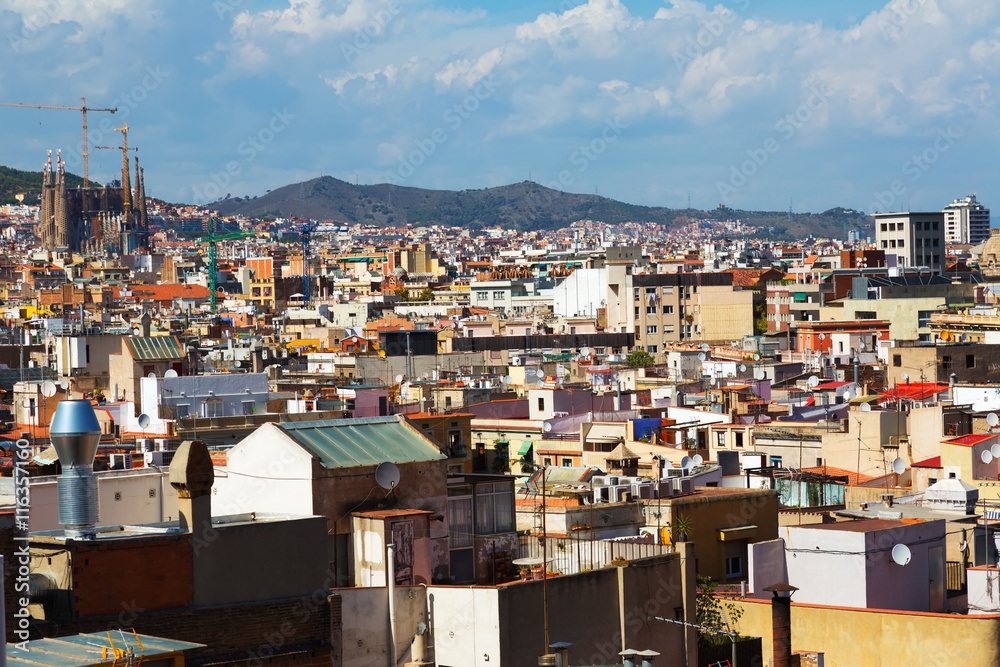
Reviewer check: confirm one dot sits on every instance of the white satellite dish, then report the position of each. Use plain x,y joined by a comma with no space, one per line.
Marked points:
585,351
901,554
865,407
898,466
170,373
759,374
705,347
151,376
714,381
686,463
701,356
547,427
64,385
424,376
822,336
986,457
904,376
995,451
387,475
144,421
697,460
743,368
847,395
48,389
541,383
992,419
399,378
506,379
812,381
756,357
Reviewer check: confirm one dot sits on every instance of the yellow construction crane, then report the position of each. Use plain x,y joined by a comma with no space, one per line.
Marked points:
124,149
84,109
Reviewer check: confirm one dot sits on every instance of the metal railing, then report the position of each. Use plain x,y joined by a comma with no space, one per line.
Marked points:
571,555
955,576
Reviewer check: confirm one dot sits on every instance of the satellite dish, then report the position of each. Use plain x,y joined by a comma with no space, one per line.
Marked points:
585,351
48,389
697,460
714,381
822,336
812,381
686,463
759,374
705,347
992,419
541,383
151,376
144,421
506,379
904,376
756,357
399,378
743,368
847,395
64,385
701,356
865,407
547,427
995,451
901,554
387,475
424,376
171,373
986,457
898,466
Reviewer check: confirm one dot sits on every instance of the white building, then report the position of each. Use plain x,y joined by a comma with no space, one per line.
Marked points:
966,221
220,395
917,239
581,294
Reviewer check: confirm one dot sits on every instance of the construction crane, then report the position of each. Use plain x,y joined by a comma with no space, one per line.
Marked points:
213,265
306,232
84,109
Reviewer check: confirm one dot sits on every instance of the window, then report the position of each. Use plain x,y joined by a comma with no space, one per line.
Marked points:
651,329
936,241
739,439
460,528
900,243
721,438
897,360
249,407
775,461
970,361
637,311
567,463
183,411
650,290
946,364
885,227
668,290
447,401
734,567
498,295
213,408
456,448
668,310
482,296
651,349
651,310
541,404
547,461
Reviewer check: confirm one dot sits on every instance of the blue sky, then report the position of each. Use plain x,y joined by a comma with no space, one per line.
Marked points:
757,104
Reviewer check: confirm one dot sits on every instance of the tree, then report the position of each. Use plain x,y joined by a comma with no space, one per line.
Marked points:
639,359
426,294
711,612
402,293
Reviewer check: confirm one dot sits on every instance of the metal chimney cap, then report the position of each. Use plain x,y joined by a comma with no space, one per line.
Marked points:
75,432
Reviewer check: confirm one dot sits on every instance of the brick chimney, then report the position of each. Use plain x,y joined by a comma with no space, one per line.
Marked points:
192,475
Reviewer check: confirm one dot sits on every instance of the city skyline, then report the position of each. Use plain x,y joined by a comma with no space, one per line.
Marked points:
757,105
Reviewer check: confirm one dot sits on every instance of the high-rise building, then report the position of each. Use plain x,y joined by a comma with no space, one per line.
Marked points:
966,221
917,239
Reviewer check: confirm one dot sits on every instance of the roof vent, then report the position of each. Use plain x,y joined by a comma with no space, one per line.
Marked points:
75,434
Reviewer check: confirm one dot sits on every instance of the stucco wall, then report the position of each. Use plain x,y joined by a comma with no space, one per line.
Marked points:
365,630
884,638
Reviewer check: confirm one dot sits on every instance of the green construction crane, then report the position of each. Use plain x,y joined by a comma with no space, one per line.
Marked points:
213,265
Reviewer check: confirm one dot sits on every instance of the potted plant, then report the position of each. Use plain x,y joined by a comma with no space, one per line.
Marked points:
525,573
682,527
537,572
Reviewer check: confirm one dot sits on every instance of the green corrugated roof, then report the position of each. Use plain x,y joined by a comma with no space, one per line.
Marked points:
350,443
85,650
154,348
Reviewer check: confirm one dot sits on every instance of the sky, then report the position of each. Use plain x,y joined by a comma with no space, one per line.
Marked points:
754,104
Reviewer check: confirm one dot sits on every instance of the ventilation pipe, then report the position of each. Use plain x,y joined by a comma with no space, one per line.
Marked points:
76,433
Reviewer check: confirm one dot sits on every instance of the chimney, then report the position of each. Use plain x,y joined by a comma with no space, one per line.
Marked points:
76,433
781,623
144,323
192,475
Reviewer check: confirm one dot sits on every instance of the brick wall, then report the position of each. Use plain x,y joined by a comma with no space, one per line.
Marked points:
285,632
152,573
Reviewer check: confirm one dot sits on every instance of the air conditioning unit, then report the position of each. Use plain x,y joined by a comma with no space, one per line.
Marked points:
644,491
687,485
121,461
599,480
611,480
161,444
602,494
621,493
143,445
159,459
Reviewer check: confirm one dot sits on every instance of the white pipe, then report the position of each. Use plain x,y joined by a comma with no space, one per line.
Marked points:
390,573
